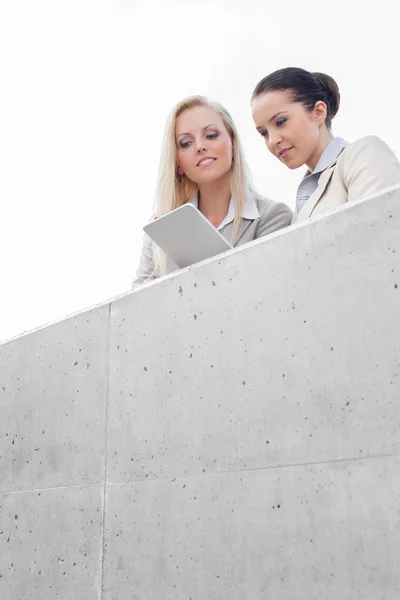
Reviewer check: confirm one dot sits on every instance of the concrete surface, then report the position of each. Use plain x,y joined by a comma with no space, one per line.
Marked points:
51,544
286,351
53,386
310,532
232,431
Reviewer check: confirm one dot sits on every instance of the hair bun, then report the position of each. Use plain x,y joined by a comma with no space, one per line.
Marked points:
332,90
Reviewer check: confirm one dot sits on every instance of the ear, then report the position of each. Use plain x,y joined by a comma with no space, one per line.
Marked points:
179,171
320,112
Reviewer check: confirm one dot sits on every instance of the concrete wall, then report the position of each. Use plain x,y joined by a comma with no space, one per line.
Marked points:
230,432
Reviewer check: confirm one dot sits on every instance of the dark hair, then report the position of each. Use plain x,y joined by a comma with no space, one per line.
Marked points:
307,88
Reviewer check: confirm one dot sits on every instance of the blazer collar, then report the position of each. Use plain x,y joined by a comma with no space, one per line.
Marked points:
250,213
315,197
250,210
313,200
329,155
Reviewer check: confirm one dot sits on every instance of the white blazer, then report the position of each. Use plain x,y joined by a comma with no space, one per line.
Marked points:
363,168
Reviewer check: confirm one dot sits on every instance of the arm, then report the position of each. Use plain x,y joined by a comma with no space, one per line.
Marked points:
276,216
145,271
370,167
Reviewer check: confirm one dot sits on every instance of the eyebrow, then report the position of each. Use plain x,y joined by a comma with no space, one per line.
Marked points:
204,128
281,112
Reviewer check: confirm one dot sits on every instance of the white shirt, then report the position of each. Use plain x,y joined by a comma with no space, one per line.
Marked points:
250,210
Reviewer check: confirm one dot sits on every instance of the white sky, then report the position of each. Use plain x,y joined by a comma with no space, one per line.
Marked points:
86,86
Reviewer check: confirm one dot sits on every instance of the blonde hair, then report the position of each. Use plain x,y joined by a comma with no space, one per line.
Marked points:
171,194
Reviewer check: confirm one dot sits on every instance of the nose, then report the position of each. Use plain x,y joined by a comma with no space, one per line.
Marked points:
274,139
200,146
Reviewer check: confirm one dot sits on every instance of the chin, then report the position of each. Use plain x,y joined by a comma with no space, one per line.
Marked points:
211,177
294,166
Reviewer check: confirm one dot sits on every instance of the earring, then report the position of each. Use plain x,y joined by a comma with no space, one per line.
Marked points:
181,179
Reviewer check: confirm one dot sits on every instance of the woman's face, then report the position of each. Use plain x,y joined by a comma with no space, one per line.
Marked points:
291,132
204,146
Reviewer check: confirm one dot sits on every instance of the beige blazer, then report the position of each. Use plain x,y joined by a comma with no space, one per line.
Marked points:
363,168
272,216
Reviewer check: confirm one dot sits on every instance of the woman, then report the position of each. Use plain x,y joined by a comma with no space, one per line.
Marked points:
202,162
293,110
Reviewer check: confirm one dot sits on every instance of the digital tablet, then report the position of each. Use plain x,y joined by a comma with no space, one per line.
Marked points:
186,236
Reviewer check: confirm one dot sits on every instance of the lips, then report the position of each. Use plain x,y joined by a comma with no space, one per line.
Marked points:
284,153
205,161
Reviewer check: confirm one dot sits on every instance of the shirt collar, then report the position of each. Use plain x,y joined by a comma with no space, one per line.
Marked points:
329,155
250,210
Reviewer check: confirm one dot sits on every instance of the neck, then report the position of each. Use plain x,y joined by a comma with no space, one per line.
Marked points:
214,200
324,140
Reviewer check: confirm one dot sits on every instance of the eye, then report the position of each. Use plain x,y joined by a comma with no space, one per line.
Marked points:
263,132
212,136
184,144
281,121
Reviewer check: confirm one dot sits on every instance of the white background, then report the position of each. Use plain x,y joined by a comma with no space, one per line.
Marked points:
85,88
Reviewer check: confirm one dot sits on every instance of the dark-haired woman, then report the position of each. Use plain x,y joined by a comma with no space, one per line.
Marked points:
293,110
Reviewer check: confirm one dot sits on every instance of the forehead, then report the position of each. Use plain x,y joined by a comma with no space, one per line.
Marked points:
197,118
268,104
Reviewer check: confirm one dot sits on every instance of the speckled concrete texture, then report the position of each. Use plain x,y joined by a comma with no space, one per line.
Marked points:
306,532
53,385
229,432
51,544
286,351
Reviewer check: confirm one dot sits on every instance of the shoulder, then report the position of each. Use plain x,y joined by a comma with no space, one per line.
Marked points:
273,216
267,207
369,154
368,144
366,167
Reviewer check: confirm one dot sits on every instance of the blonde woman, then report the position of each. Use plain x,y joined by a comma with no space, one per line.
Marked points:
202,162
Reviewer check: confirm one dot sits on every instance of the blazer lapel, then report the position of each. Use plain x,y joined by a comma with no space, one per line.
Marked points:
323,181
251,213
315,197
227,231
245,224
